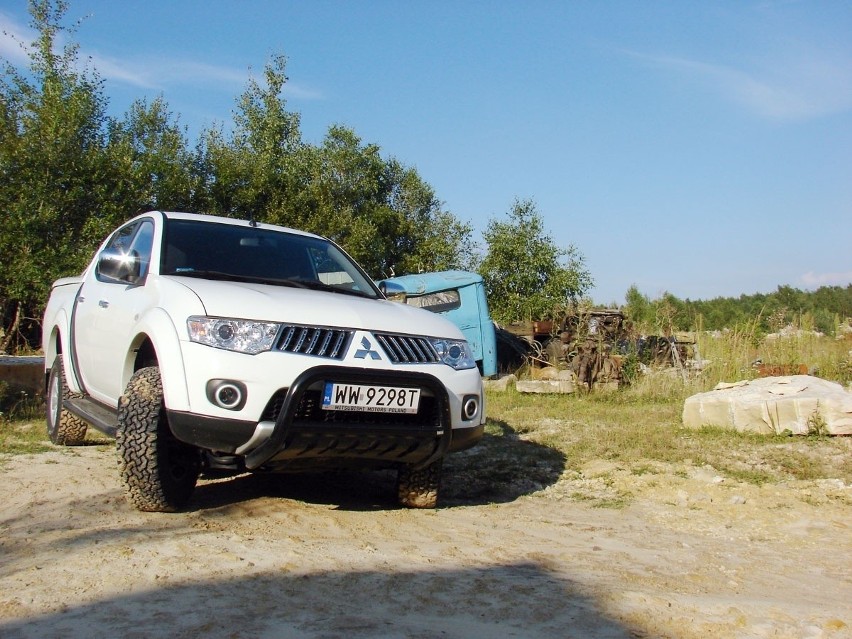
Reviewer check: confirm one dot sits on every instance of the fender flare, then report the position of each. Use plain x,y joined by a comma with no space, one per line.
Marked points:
60,333
158,327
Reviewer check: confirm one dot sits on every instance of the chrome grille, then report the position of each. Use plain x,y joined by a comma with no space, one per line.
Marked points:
406,349
316,341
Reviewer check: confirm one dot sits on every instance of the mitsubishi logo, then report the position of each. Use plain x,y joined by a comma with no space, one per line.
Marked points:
362,353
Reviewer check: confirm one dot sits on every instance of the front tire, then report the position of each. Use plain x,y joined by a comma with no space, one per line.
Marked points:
419,488
159,471
63,427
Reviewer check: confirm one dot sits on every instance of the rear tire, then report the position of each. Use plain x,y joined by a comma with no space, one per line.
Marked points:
159,471
63,427
419,488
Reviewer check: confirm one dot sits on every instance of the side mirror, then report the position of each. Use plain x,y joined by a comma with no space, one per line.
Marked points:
117,267
392,291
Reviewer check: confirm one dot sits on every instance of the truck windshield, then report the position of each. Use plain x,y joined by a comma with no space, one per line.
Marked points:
224,251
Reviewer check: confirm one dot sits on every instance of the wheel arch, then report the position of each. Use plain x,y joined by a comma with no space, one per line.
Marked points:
156,343
57,341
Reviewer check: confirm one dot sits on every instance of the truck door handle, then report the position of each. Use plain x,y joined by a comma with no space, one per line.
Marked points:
103,304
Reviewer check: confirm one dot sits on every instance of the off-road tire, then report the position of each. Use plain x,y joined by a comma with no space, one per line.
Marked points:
63,427
159,471
419,488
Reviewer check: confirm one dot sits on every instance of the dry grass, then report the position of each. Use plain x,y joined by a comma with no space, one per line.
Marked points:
634,431
533,441
730,355
23,437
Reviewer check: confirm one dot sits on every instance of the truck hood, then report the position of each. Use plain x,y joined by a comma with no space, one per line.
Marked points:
314,308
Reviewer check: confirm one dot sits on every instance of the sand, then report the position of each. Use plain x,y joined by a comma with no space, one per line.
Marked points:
682,553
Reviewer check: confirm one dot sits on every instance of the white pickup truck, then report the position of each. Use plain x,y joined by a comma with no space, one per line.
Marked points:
211,346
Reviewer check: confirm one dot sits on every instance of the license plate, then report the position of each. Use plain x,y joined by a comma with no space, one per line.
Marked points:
371,399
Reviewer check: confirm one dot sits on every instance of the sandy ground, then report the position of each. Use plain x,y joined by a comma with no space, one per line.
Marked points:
690,555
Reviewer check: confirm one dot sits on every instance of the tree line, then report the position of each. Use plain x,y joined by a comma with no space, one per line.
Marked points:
821,310
71,173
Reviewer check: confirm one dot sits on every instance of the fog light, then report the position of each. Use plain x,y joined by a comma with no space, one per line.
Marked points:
470,407
226,394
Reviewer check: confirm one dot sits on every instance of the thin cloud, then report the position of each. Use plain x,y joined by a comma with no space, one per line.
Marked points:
160,73
809,87
826,279
14,40
149,74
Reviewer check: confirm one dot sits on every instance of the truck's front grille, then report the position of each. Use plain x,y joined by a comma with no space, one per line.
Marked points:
406,349
318,341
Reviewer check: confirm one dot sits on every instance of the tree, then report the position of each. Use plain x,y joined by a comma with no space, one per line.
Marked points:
52,167
69,175
670,314
259,169
527,276
638,309
150,153
385,215
379,210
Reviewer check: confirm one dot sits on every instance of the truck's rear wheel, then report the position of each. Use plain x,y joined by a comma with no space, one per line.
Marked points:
419,488
159,472
63,427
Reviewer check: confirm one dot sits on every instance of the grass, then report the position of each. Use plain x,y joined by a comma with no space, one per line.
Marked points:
533,441
22,437
638,434
22,427
730,355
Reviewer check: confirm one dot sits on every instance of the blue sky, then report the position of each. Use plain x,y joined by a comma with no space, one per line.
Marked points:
701,148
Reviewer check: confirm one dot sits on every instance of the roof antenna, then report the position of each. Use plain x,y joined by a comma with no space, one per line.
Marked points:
252,221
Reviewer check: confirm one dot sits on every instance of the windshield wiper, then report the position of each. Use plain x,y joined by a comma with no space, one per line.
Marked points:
316,285
233,277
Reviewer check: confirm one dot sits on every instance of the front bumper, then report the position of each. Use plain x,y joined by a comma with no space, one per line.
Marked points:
294,431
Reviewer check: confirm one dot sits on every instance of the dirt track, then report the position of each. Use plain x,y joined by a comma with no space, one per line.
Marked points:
331,556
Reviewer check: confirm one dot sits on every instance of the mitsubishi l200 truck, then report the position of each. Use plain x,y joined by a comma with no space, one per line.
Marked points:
215,345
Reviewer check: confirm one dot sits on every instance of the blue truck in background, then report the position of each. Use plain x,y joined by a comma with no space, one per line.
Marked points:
460,297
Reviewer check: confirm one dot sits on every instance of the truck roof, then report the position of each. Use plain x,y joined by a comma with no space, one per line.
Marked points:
422,283
181,215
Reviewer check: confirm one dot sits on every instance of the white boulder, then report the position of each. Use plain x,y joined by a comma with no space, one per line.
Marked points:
798,403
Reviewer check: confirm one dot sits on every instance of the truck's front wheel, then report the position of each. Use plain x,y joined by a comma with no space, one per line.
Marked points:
419,488
159,471
63,427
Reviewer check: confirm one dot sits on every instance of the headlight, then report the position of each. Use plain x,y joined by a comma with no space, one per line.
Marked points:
453,352
243,336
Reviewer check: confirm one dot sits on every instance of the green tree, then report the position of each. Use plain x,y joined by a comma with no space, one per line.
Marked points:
385,215
527,276
259,169
670,314
148,150
52,165
70,174
638,309
379,210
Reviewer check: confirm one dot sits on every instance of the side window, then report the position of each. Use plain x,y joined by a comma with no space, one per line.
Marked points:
134,240
121,240
142,245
